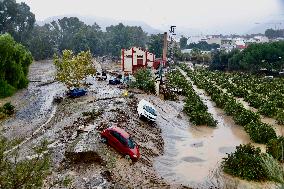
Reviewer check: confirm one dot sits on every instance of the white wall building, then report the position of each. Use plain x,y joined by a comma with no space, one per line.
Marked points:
135,58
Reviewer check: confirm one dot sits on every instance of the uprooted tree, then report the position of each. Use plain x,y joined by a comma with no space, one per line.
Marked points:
72,69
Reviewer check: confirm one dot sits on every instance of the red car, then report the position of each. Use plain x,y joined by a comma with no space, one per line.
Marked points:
121,141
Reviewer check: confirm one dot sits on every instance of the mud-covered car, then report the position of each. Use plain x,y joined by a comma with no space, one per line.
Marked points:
101,76
121,141
114,81
147,110
77,92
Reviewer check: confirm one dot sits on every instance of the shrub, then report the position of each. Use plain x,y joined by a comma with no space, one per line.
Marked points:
274,170
8,108
260,132
245,163
232,107
169,95
246,116
23,173
254,100
6,89
268,109
220,99
280,117
275,147
14,65
144,80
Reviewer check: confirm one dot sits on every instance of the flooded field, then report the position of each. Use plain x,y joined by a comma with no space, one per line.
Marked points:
193,153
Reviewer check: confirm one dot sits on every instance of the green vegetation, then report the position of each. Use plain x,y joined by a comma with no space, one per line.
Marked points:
211,81
249,163
254,58
202,45
73,69
14,65
16,19
155,44
274,171
275,148
268,109
6,110
280,117
144,80
272,34
260,132
196,110
66,33
245,163
23,173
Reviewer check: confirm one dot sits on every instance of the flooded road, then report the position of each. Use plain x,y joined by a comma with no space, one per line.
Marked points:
33,104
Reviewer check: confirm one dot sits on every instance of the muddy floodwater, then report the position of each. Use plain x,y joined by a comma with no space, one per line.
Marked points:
193,154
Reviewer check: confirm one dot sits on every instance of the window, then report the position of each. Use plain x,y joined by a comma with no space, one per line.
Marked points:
130,143
150,110
120,138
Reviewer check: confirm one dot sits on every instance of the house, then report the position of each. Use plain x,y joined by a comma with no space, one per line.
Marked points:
213,40
134,58
240,44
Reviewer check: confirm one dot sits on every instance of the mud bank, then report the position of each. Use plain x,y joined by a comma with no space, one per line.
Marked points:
73,134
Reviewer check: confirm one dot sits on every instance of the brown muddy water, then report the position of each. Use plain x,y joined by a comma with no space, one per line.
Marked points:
193,154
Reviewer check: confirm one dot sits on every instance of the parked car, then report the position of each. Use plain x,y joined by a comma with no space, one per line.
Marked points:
147,110
101,76
121,141
104,75
114,81
77,92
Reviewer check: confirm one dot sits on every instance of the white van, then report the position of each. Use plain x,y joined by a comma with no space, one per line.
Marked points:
146,109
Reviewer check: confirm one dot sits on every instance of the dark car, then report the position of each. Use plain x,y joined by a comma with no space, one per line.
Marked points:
114,81
104,75
121,141
101,76
77,92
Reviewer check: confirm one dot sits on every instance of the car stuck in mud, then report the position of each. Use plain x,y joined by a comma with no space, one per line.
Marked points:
121,141
147,110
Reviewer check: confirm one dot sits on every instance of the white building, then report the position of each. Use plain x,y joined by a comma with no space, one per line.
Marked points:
135,58
214,40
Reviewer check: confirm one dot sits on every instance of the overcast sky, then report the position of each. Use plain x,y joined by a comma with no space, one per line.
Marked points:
200,14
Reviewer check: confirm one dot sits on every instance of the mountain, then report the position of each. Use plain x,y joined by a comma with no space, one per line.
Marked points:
104,22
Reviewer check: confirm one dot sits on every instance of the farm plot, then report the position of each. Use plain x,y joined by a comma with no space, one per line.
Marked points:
266,95
239,162
194,107
258,131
